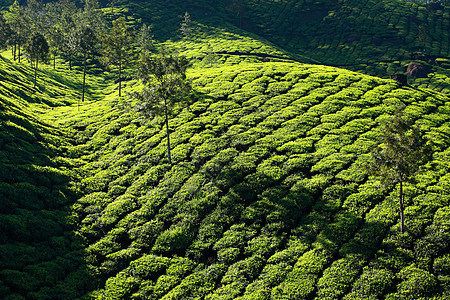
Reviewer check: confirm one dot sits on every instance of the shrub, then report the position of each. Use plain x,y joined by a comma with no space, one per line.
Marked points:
237,236
441,265
164,284
280,87
228,255
437,238
148,266
174,239
194,286
294,249
338,277
373,282
117,209
119,287
416,283
144,236
300,288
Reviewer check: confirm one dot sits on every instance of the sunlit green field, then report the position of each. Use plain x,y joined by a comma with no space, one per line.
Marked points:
268,195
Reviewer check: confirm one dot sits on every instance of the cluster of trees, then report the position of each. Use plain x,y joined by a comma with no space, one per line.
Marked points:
60,23
62,27
76,32
72,31
53,28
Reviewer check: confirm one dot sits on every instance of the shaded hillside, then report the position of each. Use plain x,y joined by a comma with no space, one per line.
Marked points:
378,38
268,195
374,37
40,256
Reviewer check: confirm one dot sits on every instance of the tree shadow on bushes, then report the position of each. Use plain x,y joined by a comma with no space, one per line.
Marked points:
40,256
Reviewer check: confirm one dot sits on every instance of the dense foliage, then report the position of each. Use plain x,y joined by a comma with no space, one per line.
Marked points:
267,195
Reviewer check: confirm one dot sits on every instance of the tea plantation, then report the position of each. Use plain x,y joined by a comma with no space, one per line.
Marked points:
268,195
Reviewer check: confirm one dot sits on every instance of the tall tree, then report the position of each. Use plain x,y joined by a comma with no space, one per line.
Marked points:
238,7
88,41
92,17
16,19
5,32
54,37
36,16
65,29
71,44
398,158
145,39
117,46
61,16
185,26
164,77
37,49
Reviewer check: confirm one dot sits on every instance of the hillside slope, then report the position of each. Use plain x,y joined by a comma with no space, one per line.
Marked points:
40,257
268,195
378,38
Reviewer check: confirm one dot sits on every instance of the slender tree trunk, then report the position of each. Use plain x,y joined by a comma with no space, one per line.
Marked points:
120,79
14,51
18,46
84,76
54,60
402,217
70,62
167,130
35,71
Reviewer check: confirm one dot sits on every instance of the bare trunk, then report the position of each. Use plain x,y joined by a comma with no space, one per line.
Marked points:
168,134
70,62
19,50
402,218
35,71
14,51
84,76
54,60
120,79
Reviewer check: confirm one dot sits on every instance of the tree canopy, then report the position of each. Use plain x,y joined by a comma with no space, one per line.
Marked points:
5,32
117,46
164,77
37,49
403,150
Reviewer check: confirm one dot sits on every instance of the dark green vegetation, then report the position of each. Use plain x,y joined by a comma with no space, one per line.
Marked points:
41,257
267,196
374,37
404,150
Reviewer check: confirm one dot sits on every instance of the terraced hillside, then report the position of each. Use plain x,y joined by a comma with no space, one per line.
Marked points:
268,196
378,38
40,256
